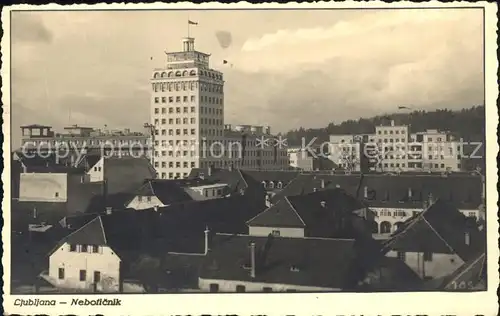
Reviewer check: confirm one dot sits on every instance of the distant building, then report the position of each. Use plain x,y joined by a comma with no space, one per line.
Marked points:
40,138
392,148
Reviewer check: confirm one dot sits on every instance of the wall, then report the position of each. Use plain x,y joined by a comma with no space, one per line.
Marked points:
96,174
43,187
441,264
230,286
106,262
284,232
144,204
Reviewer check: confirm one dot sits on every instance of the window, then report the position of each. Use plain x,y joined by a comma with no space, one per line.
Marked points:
193,98
83,275
214,287
95,249
193,109
401,256
428,256
185,98
97,276
149,199
57,194
61,273
85,248
72,248
275,233
240,288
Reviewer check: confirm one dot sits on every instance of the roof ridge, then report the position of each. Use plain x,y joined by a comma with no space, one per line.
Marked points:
293,208
441,237
264,211
242,177
103,231
71,234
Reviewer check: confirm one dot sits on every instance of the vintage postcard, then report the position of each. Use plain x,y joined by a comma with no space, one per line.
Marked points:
240,159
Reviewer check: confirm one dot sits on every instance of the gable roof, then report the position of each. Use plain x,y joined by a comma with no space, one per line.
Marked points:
167,191
281,214
324,263
126,174
441,228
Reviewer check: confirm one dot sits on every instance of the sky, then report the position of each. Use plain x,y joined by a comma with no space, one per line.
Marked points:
289,68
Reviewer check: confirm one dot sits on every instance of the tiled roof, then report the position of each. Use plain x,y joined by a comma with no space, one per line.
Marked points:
318,262
228,215
127,174
462,190
271,175
281,214
441,228
470,273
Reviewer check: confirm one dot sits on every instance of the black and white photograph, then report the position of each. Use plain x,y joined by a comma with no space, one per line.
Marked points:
163,153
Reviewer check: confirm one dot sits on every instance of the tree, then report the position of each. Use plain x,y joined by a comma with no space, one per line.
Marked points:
148,271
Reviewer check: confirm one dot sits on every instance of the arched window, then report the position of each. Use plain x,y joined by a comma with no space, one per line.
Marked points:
280,185
385,228
192,73
374,225
185,73
156,75
177,73
264,184
170,74
163,74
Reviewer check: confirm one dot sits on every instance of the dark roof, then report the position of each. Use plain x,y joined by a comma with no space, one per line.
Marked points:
77,221
307,183
167,191
461,189
48,212
441,228
281,214
321,262
126,174
272,175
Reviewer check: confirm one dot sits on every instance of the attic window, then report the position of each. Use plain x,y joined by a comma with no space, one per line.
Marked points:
280,185
264,184
72,248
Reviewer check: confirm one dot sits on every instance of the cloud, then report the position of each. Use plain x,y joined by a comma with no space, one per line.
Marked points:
28,27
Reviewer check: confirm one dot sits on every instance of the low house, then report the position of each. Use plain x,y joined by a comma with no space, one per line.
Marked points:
241,263
158,193
97,256
329,214
436,242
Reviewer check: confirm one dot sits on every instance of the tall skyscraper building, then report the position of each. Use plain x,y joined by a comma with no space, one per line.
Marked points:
187,111
187,117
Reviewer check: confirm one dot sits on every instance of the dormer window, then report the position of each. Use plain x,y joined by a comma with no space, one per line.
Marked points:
264,184
271,185
280,185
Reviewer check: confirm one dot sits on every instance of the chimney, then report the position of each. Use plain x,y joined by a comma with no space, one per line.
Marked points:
430,199
34,212
109,210
207,232
210,170
366,192
323,204
467,238
322,183
252,259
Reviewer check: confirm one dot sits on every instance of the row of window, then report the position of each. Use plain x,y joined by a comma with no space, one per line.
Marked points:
185,120
385,132
214,287
185,164
271,185
185,99
399,213
171,175
185,109
82,275
186,73
427,256
187,85
85,248
87,142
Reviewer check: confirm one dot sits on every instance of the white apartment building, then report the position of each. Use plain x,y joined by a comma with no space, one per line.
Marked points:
187,112
398,150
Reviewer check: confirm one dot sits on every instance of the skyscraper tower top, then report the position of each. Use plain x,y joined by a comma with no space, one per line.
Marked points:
188,57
